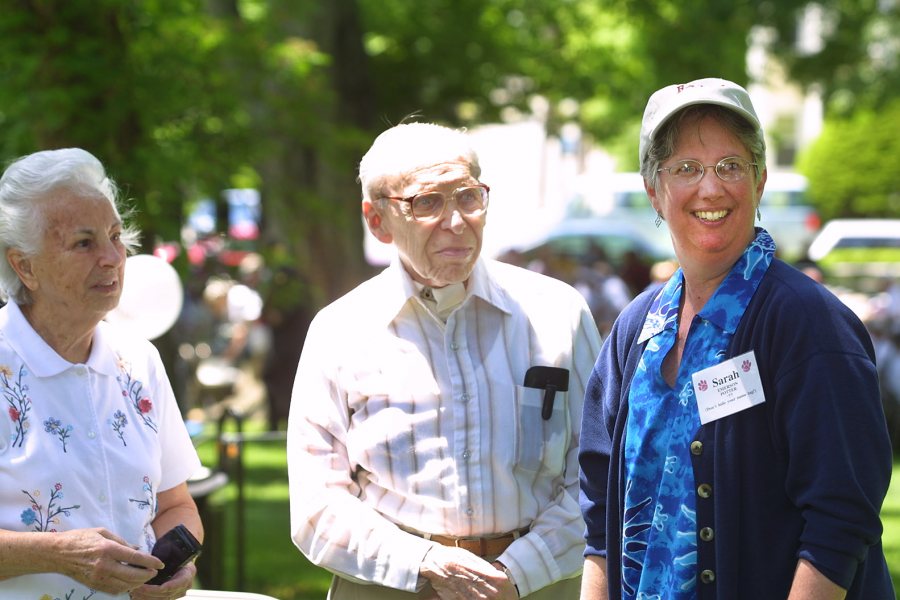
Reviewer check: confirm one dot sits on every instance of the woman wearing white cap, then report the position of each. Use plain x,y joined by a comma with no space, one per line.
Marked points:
733,443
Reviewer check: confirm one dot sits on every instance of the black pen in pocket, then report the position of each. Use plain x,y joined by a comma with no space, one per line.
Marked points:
549,379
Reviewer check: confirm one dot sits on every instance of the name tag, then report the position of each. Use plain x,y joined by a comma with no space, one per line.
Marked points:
728,387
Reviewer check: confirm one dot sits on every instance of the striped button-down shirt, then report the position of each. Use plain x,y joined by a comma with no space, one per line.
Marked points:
400,420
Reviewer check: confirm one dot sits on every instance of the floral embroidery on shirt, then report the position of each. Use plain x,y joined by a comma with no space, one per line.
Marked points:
54,426
18,400
118,422
133,391
70,595
149,501
34,515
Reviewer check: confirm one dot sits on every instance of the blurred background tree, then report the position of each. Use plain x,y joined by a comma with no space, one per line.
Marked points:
848,165
183,99
144,86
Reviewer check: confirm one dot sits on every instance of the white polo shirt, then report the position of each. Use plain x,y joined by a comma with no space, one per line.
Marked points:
84,445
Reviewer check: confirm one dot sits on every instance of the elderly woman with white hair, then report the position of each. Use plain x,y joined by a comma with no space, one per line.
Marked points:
94,455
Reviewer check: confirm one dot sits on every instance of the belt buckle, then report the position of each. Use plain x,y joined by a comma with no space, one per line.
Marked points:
476,545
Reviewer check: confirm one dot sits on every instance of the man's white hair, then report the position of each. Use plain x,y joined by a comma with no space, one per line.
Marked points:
409,146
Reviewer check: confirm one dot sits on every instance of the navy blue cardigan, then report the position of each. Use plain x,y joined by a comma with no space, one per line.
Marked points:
802,475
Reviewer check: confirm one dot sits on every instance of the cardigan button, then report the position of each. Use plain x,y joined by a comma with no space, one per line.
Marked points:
707,576
704,490
707,534
696,448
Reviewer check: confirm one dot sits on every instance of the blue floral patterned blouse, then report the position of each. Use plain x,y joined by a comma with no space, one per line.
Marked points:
659,553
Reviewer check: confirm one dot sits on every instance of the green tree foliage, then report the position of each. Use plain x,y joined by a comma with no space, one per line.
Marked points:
307,86
853,61
138,84
855,65
848,166
183,99
595,63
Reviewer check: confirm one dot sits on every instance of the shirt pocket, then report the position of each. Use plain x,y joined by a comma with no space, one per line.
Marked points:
540,444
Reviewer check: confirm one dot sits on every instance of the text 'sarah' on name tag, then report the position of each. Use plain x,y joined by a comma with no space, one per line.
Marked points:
729,387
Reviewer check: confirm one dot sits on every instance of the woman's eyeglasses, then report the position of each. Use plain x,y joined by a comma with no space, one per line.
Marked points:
689,172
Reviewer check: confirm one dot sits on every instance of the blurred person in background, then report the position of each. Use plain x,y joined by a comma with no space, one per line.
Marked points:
635,272
605,292
811,270
237,308
94,455
660,273
421,465
733,443
248,294
287,312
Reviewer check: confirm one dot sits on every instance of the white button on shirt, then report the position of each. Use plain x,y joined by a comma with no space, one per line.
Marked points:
84,446
392,405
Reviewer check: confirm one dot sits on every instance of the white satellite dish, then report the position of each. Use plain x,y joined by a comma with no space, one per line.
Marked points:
151,298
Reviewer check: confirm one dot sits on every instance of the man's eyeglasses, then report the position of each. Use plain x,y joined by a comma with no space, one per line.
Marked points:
471,201
689,172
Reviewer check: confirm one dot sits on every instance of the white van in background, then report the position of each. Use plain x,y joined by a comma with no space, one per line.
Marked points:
787,215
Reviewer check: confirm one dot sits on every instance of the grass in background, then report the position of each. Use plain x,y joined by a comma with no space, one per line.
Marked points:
274,566
890,516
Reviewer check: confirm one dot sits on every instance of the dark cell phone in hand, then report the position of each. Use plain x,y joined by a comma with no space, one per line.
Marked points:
176,548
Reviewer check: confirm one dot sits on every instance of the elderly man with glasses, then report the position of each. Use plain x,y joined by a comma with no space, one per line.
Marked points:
434,426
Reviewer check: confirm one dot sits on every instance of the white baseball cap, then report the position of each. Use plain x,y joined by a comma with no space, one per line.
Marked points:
664,103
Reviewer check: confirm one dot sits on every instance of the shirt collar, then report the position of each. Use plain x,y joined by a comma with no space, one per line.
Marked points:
396,288
442,301
485,285
727,305
663,310
40,358
730,300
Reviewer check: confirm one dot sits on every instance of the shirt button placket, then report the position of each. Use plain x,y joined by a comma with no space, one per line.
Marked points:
706,534
696,447
704,490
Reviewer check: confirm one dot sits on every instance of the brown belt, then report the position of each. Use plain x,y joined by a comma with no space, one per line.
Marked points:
482,546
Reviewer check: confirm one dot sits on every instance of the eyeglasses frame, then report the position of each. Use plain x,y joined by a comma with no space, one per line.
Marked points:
409,200
703,169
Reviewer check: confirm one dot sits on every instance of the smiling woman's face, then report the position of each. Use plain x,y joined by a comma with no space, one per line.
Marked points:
711,221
